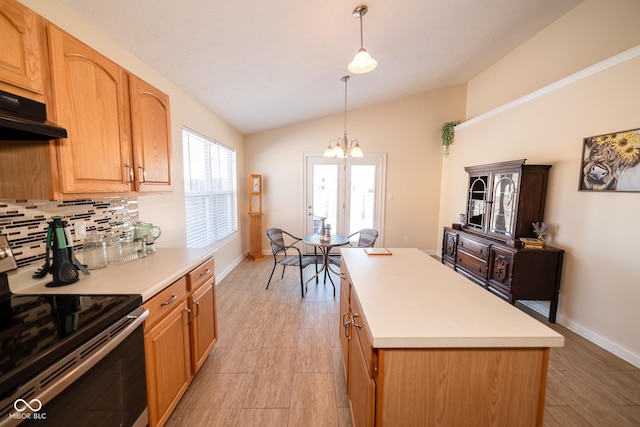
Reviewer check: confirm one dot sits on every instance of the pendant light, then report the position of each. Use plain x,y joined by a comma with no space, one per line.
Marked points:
342,147
362,62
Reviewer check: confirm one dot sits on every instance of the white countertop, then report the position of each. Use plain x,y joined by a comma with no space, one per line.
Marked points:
146,276
411,300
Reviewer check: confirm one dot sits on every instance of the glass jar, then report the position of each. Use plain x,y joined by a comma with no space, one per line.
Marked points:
94,253
114,248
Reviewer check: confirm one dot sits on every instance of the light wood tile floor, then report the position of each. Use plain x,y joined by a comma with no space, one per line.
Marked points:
277,363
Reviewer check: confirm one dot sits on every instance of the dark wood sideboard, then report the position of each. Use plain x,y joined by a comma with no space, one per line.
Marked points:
510,273
503,200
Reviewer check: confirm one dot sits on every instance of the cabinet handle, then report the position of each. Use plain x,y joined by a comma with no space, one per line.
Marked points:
204,273
130,173
353,321
197,304
346,325
172,299
143,175
189,314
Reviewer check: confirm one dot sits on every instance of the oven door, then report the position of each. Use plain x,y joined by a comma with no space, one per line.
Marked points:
102,383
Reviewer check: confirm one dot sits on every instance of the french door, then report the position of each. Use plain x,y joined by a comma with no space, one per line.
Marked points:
347,193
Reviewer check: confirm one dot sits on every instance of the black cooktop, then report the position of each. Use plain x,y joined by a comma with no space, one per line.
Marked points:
37,330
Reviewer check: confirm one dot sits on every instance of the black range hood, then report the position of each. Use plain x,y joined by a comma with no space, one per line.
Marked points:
23,119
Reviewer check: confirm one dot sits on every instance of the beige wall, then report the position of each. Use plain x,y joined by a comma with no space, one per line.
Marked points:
166,211
408,130
592,32
600,286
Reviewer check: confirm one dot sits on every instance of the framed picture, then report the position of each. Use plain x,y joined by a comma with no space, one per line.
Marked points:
255,184
611,162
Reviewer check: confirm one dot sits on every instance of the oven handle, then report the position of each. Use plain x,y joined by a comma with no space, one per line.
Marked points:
58,386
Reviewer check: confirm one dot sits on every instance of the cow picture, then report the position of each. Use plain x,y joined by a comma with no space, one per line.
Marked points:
611,162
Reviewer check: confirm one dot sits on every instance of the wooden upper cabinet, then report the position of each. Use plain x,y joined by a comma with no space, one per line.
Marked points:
90,97
151,130
21,49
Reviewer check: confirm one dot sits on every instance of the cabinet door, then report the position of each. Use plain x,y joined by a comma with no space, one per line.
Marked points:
500,273
449,244
345,326
203,327
21,32
151,131
168,363
477,202
362,387
90,100
504,200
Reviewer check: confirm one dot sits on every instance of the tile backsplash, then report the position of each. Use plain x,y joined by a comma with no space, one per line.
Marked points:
25,222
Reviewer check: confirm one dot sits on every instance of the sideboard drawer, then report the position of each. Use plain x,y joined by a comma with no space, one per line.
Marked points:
471,264
479,249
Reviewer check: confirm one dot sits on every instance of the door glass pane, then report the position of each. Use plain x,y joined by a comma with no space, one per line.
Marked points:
502,209
362,197
477,199
325,195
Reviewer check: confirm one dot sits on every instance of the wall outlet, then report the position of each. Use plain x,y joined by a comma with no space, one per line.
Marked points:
406,238
80,229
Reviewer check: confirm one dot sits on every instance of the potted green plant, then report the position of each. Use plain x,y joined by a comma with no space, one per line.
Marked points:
448,133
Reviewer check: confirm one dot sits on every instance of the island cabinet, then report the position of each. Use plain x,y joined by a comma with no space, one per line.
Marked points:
422,346
359,358
179,334
23,45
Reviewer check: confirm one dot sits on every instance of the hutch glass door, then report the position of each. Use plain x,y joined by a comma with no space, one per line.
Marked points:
478,196
502,218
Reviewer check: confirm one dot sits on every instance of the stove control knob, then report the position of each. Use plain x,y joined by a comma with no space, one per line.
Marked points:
3,253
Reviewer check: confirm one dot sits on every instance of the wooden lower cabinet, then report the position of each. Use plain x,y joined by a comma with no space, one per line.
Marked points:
362,387
180,333
167,349
203,326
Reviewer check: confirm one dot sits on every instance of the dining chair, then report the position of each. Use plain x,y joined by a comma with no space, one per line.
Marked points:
276,237
366,239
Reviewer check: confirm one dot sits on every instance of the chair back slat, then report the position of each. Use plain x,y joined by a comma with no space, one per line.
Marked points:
368,237
276,239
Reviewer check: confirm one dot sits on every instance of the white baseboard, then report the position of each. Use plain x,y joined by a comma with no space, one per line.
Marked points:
586,333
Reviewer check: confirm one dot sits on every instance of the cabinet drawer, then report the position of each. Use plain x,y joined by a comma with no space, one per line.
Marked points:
165,301
361,329
479,249
473,265
199,275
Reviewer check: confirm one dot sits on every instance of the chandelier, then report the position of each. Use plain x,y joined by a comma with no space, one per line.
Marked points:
342,147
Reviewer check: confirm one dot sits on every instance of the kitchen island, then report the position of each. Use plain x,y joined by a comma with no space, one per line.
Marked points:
423,346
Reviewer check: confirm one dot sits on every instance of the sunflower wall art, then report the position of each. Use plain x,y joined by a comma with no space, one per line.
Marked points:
611,162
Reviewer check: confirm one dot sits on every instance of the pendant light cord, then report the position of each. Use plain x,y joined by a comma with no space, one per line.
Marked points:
346,79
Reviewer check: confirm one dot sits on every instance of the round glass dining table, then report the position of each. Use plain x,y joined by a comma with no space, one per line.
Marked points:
325,245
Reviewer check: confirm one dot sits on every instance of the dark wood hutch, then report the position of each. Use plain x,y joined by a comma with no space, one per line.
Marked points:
503,200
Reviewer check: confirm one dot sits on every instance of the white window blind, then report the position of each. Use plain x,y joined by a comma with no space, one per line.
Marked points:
210,190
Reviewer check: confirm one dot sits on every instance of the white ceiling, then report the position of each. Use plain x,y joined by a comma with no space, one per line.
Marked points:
262,64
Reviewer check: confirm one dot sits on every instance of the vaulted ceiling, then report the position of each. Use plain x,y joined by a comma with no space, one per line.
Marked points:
264,64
